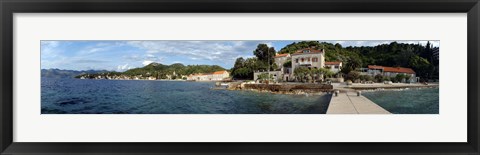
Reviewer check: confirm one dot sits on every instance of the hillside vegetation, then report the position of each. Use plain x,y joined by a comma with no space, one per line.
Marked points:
160,71
419,57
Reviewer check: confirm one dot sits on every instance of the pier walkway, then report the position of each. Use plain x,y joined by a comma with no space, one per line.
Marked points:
350,103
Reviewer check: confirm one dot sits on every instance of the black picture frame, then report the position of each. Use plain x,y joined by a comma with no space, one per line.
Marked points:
8,7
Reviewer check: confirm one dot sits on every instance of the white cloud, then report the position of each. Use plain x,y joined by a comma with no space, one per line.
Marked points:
101,47
123,67
218,51
146,62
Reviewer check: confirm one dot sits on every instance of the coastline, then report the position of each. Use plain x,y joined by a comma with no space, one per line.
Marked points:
341,87
381,86
134,79
321,89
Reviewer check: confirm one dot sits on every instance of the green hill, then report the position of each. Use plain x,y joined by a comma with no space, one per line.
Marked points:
160,71
421,58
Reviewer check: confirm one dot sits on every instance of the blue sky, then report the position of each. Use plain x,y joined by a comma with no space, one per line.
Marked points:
124,55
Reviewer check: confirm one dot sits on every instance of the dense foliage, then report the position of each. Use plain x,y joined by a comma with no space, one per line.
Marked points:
263,60
416,56
305,74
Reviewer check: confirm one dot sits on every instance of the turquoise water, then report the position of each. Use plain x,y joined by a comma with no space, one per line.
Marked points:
76,96
407,101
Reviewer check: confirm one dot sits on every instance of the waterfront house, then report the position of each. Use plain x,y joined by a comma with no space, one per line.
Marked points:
334,66
312,58
281,59
373,70
309,57
220,75
282,72
215,76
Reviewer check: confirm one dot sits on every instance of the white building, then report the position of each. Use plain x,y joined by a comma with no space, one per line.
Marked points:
284,72
215,76
276,75
373,70
280,59
334,66
310,57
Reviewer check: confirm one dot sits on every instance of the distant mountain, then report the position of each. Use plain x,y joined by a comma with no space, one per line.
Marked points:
159,71
178,68
59,73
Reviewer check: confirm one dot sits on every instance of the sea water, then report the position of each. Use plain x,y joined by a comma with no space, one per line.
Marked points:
77,96
407,101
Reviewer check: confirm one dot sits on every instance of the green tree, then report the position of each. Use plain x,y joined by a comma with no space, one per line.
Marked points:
288,64
422,67
366,78
386,78
265,54
353,75
239,62
379,78
265,77
301,73
351,65
392,54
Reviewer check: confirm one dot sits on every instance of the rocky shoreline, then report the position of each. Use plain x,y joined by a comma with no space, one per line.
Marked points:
294,89
319,89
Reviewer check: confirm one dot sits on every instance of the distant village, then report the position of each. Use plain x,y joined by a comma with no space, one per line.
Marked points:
215,76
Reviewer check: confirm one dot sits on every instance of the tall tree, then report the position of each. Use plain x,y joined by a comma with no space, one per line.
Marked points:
351,64
239,62
266,55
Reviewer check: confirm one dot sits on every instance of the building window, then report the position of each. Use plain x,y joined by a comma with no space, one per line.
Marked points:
314,59
296,60
336,67
303,59
308,59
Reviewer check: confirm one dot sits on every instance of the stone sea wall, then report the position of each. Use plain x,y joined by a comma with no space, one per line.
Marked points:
284,88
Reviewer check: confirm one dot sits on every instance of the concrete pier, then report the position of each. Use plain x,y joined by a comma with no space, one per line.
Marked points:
350,103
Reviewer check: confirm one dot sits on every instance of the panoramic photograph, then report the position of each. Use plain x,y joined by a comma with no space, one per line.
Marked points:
240,77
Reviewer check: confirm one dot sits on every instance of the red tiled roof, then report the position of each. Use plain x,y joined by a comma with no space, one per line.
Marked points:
399,70
202,74
393,69
311,51
374,67
333,63
219,72
281,55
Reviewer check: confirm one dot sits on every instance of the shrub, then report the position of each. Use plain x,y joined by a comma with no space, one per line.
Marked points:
365,78
399,77
386,78
379,78
264,77
353,75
